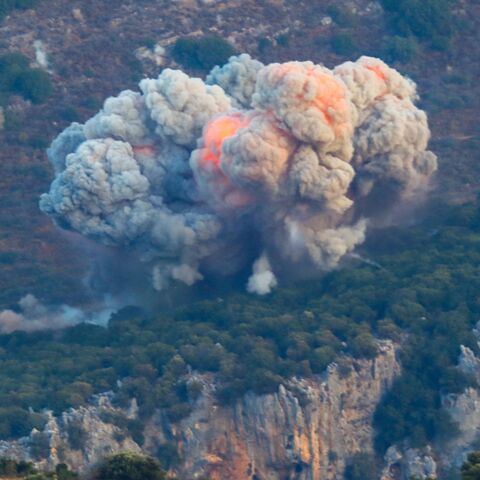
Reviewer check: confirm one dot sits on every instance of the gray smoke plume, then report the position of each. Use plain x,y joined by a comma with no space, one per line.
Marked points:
67,142
181,106
259,165
237,78
34,315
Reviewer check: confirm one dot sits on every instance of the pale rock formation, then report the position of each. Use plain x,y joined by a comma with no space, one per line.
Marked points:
101,438
307,430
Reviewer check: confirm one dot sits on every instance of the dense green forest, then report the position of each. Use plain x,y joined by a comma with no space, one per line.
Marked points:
420,288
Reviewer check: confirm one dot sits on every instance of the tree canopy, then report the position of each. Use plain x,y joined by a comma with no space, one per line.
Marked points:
130,466
471,468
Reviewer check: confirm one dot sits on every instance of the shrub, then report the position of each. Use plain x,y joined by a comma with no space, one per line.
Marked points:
321,357
264,44
130,466
401,49
8,258
362,466
11,65
132,426
343,44
12,468
16,422
178,411
6,6
77,435
283,40
471,468
63,473
202,53
16,76
34,84
342,16
363,346
136,428
387,329
25,470
70,114
24,4
40,445
12,121
430,20
168,455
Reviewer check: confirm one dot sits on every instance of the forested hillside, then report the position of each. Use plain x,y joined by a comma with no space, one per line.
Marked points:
416,283
418,286
91,52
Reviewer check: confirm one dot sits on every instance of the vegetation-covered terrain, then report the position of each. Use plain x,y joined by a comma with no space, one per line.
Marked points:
422,287
17,77
471,468
91,55
11,469
123,466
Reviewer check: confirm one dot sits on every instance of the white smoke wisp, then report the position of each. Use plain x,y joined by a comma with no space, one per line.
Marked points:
262,280
367,261
285,162
33,315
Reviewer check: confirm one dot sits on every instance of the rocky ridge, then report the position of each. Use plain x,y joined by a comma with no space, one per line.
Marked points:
307,430
403,462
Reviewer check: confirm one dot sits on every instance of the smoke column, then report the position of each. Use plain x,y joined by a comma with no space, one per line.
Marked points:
271,167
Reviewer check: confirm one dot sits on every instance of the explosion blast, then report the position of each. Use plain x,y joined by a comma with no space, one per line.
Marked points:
277,166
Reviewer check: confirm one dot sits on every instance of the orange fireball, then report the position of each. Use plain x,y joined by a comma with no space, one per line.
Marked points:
298,88
377,70
216,132
330,96
144,150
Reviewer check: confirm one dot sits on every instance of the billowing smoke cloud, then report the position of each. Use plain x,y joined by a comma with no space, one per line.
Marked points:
259,167
237,78
34,315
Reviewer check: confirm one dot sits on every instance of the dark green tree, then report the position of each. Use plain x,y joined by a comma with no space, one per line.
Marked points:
429,20
362,466
202,53
34,84
63,472
130,466
471,468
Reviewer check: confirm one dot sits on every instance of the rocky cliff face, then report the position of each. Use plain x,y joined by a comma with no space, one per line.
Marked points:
305,431
79,437
465,412
402,462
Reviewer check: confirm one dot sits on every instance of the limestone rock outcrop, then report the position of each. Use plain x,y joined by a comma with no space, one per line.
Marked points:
307,430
